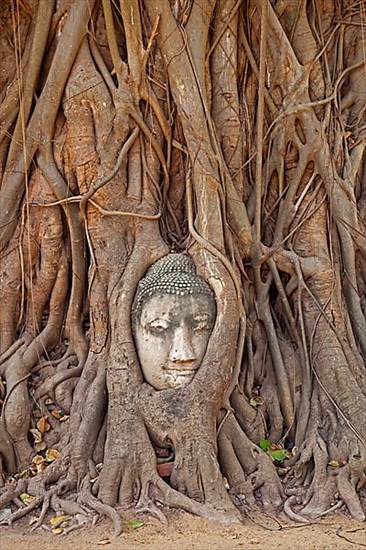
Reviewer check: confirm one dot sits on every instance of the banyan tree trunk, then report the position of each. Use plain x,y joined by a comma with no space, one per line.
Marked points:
233,131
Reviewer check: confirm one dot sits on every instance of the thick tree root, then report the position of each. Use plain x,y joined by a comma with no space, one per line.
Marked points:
85,497
332,482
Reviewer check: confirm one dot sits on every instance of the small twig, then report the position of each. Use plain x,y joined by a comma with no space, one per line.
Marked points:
265,526
280,526
338,533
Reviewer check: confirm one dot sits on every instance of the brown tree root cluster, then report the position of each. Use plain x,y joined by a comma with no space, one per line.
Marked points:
234,132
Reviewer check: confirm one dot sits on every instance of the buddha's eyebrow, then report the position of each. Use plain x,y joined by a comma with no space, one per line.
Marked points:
163,317
201,316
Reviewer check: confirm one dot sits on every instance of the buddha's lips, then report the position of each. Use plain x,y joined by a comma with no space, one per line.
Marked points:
177,372
180,371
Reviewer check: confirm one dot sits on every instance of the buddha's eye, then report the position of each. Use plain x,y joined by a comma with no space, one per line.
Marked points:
202,324
158,326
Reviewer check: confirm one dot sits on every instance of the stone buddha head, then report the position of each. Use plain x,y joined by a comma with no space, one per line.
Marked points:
173,315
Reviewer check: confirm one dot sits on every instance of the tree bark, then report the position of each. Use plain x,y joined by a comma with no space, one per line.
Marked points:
232,131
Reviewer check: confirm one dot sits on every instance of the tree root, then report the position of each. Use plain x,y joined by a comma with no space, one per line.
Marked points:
85,497
330,483
333,508
246,467
174,499
12,492
292,515
22,512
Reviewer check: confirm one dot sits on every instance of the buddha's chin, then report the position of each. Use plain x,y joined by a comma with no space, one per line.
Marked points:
177,379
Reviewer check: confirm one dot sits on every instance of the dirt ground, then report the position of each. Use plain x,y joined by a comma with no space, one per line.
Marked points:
185,532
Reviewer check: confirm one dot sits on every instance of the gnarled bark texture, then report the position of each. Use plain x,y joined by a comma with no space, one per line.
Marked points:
234,131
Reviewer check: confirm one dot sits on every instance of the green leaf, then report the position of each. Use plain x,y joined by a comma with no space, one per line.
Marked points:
264,444
278,454
27,499
135,523
256,401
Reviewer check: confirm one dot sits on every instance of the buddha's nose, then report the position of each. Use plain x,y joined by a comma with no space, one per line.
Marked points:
181,350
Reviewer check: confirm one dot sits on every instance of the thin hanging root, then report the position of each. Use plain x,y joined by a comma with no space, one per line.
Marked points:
292,515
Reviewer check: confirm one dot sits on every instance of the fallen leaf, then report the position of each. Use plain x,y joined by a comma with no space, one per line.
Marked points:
40,446
135,523
37,459
27,499
64,418
56,415
57,520
36,435
22,475
57,531
51,455
39,462
43,424
256,401
335,463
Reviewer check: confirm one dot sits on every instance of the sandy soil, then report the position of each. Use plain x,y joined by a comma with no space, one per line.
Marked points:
185,532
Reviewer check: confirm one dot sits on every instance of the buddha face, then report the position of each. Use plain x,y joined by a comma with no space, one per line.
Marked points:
171,336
